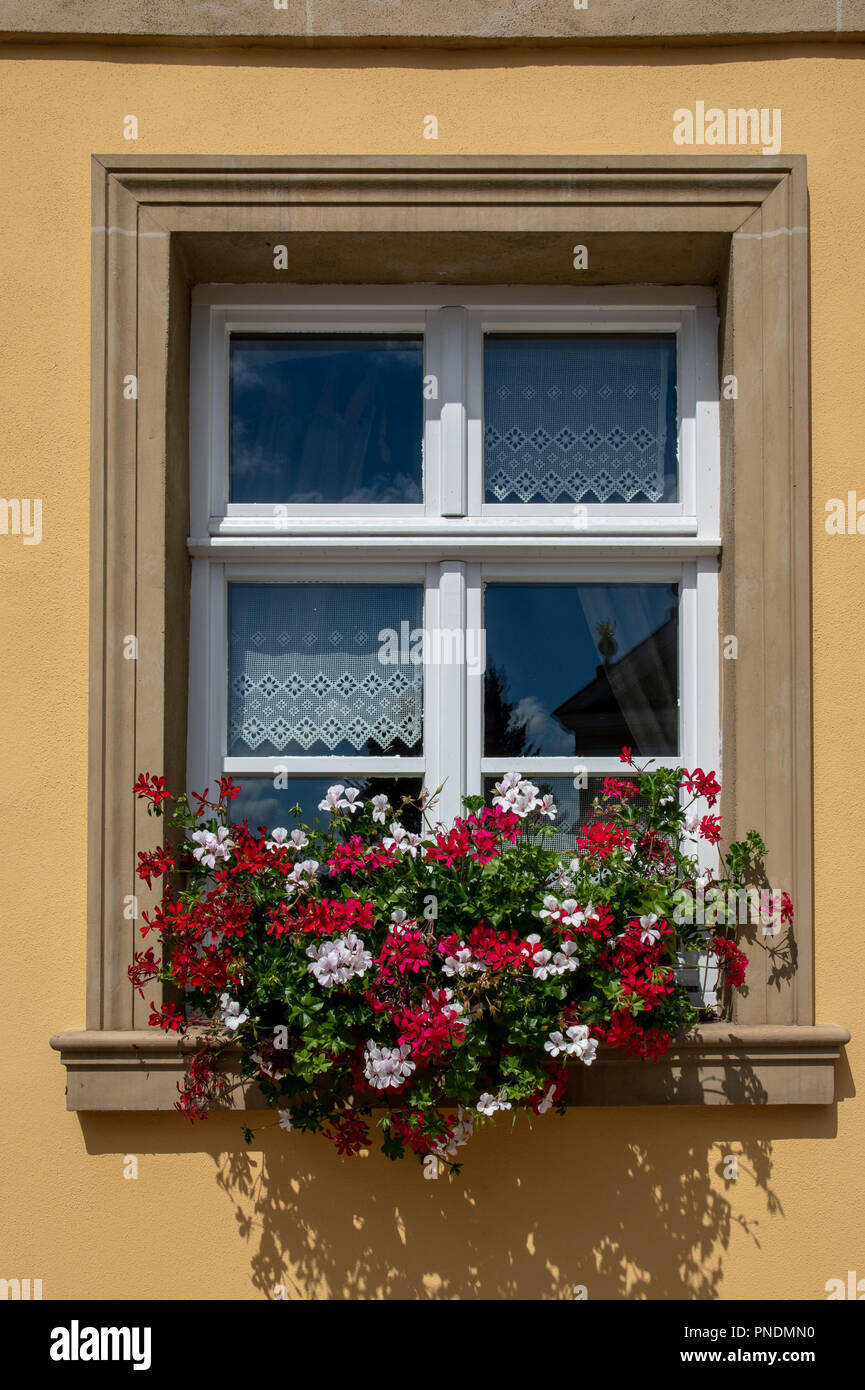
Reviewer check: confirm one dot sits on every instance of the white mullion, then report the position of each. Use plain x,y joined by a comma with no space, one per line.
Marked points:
445,705
451,327
708,429
686,412
474,378
474,684
207,721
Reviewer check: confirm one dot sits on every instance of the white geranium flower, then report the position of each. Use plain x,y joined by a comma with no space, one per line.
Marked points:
387,1066
401,841
648,933
351,800
333,799
566,958
541,965
212,847
336,962
580,1044
513,794
285,1120
550,907
461,963
278,837
302,874
231,1015
460,1135
380,807
547,1101
298,839
575,1043
547,807
571,915
398,919
488,1104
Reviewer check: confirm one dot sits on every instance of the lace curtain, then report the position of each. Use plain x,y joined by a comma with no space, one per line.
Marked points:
305,674
579,419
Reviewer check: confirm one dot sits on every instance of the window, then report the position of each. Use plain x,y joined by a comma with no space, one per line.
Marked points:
740,225
511,487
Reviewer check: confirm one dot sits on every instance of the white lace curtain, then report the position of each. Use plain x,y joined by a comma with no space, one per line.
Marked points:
305,674
576,420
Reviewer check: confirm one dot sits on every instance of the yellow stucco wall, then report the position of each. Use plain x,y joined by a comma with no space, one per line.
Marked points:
629,1203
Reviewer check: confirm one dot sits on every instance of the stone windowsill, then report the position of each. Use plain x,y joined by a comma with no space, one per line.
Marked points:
715,1064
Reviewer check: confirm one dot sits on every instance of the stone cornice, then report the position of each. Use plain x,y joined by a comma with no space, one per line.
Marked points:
435,23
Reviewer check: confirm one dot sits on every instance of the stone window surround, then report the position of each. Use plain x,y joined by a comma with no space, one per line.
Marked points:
162,224
473,23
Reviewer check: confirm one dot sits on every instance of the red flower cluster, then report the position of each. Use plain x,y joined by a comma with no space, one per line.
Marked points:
416,1130
400,952
638,964
731,961
349,857
348,1132
203,1085
700,783
602,839
151,788
618,787
167,1016
710,829
154,865
324,917
628,1035
428,1030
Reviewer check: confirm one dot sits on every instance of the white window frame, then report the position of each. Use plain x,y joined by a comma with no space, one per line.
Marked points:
453,542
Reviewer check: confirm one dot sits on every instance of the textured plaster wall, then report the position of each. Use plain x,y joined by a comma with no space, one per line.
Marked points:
629,1203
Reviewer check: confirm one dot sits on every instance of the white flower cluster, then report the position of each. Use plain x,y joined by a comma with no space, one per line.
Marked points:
544,1105
545,965
212,847
575,1043
230,1011
463,962
522,797
402,841
337,961
279,839
488,1104
387,1066
568,913
301,875
459,1136
340,798
649,934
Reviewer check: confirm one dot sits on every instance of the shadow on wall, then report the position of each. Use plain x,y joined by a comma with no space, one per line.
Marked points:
630,1203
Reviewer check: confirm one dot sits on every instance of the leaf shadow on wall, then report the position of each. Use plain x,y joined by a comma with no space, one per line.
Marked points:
629,1202
637,1204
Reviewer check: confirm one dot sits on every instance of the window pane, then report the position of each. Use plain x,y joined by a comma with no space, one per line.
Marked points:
580,419
312,671
326,419
581,669
262,804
